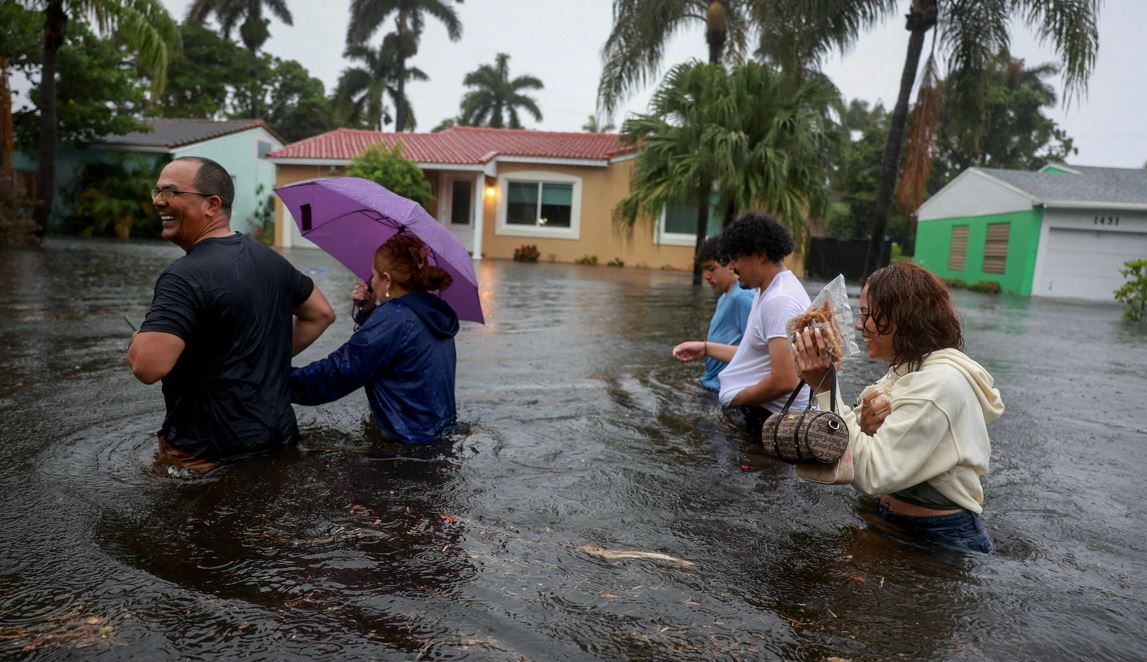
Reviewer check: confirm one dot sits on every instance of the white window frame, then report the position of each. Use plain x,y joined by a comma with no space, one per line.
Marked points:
543,176
663,238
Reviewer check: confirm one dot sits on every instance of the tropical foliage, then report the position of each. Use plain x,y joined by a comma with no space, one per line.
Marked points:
387,166
593,125
201,76
495,99
142,27
968,36
1133,293
360,97
253,30
114,200
367,16
756,137
294,103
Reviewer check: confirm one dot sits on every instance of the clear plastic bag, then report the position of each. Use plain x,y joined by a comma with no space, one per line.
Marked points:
830,309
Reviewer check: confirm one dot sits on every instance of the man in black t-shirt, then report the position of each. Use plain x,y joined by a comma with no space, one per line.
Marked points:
223,325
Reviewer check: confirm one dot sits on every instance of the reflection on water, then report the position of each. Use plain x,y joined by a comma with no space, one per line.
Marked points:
577,430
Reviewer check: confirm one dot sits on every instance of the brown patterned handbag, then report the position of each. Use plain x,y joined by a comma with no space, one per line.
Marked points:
809,435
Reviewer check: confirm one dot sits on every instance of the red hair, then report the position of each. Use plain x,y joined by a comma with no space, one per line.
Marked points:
407,259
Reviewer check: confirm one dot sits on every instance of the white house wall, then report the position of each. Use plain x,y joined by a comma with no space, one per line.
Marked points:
1081,251
973,194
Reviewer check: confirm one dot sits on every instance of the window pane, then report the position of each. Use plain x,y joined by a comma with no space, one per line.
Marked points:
522,203
557,204
682,219
460,203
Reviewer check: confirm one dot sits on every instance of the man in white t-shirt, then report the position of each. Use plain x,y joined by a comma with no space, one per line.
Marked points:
761,373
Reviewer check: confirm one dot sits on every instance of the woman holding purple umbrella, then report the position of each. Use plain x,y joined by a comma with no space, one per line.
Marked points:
403,351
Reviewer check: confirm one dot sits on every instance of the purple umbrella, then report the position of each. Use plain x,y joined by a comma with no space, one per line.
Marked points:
350,218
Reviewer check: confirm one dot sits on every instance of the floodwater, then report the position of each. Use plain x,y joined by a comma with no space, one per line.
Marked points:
579,430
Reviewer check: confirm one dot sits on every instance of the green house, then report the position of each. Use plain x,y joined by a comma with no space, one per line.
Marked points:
1064,231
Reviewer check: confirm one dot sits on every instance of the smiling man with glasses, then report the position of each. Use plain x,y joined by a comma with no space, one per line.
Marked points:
224,322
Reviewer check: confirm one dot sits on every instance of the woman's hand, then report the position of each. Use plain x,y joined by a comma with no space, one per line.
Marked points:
690,350
876,408
362,296
813,358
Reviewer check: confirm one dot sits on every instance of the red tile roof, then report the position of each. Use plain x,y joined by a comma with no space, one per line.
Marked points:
459,145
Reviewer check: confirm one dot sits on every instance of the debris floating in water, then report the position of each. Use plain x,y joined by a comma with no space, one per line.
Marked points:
630,554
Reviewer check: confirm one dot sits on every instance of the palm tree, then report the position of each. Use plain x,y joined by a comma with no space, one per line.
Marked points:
143,26
593,125
366,16
253,31
496,98
969,35
359,96
633,52
754,135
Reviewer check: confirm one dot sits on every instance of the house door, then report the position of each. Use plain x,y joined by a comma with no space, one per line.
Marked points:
460,216
1085,264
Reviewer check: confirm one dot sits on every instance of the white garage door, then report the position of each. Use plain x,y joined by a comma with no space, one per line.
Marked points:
1085,264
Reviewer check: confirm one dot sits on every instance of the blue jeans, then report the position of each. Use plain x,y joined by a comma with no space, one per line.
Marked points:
963,530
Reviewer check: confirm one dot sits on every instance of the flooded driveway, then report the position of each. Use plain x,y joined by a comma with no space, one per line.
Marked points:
579,431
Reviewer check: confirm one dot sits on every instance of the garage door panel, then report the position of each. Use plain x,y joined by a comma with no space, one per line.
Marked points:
1085,263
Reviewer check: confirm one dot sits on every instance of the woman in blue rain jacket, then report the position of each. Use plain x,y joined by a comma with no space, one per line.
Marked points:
403,351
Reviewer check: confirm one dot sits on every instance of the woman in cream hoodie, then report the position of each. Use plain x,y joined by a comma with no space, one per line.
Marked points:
919,436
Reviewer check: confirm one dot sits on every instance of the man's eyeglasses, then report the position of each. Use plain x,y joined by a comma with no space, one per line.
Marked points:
864,315
168,194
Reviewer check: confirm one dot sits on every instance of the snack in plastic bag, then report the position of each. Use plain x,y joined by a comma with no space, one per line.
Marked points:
830,313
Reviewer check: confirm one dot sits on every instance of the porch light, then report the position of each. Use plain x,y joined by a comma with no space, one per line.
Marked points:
491,192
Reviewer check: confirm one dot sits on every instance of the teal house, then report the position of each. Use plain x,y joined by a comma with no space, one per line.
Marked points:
1064,231
240,146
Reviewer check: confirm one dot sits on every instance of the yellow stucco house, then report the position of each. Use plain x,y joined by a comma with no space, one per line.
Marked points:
499,189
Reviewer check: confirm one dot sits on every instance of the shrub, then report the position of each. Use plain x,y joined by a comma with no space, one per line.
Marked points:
986,286
115,200
955,283
394,171
1133,294
527,253
588,260
262,222
615,262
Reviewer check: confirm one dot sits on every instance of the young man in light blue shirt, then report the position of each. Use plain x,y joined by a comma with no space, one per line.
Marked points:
732,313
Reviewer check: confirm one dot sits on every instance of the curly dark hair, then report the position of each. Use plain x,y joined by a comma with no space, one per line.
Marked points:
912,304
710,250
757,234
407,260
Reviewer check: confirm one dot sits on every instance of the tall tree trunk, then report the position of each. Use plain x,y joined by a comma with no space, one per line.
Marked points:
703,192
9,144
716,29
256,90
400,102
55,26
920,20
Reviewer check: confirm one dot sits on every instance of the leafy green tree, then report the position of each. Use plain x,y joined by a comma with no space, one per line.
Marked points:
1133,293
115,200
389,167
1017,135
367,16
969,35
20,51
495,98
755,136
295,104
142,27
99,93
361,91
253,31
200,78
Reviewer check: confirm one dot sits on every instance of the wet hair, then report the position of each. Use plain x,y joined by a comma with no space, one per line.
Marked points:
407,260
213,179
914,305
710,250
757,234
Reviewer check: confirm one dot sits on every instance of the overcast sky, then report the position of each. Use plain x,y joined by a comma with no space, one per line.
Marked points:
560,41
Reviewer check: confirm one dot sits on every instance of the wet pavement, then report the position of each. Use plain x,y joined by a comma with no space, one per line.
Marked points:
579,430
